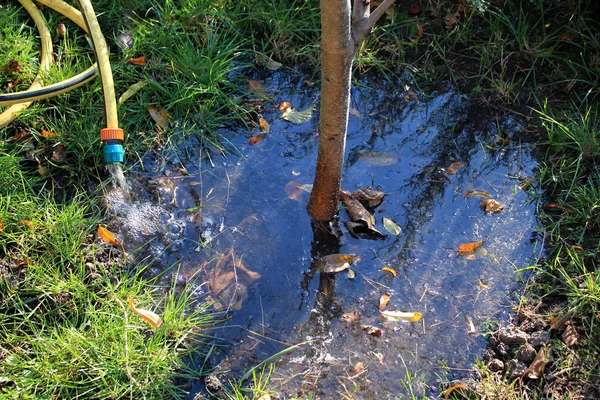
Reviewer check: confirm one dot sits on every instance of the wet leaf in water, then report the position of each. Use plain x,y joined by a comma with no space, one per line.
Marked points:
491,206
362,220
49,134
358,367
141,61
307,187
377,158
59,154
264,125
333,263
351,274
466,249
284,106
388,269
160,115
401,316
255,86
543,357
454,167
391,226
150,317
570,337
369,197
372,330
478,193
472,329
257,138
293,191
355,112
133,89
383,301
107,236
297,117
351,317
379,357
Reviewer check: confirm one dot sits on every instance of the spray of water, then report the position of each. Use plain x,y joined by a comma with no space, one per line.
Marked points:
116,171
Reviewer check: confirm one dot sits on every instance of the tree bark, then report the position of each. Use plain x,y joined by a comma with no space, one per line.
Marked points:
341,37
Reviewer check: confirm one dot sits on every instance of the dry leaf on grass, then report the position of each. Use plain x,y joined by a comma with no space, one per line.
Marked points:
107,236
543,357
149,316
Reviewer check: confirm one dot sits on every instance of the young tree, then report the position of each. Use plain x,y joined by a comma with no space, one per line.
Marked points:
343,30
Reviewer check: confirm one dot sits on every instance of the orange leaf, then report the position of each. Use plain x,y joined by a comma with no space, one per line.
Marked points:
1,226
49,134
420,30
452,389
26,223
469,248
24,261
137,61
284,106
257,138
150,317
383,300
264,125
107,236
358,367
390,270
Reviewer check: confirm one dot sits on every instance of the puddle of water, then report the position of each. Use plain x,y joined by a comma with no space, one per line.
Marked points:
231,229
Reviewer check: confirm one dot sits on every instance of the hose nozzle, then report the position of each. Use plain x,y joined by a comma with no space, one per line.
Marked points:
113,148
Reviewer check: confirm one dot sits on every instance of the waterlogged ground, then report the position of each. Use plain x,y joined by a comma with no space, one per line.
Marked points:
236,229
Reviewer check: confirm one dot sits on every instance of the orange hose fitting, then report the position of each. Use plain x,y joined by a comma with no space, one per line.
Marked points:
112,134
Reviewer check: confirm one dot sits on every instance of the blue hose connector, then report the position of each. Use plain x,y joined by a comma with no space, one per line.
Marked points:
114,152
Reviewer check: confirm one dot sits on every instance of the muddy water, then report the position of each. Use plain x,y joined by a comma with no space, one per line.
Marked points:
209,218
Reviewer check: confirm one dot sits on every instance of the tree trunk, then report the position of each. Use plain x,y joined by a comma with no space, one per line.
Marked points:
340,39
337,54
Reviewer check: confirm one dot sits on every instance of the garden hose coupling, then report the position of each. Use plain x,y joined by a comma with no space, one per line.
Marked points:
113,145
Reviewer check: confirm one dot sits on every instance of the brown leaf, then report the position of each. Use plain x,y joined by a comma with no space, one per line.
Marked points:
465,249
137,61
379,357
256,139
59,154
372,330
160,115
255,86
11,85
478,193
362,220
383,300
543,357
451,389
293,191
20,136
1,226
107,236
26,223
453,168
49,134
369,197
228,281
358,367
12,67
42,170
491,206
570,337
351,317
419,30
61,30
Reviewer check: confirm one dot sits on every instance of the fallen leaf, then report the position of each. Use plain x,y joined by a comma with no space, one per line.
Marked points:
450,20
24,261
107,236
391,226
150,317
379,357
377,158
61,30
284,106
372,330
264,125
1,226
526,184
355,112
543,357
350,317
361,220
454,167
419,30
297,117
482,285
333,263
401,316
388,269
577,247
141,61
472,329
451,389
257,138
255,86
465,249
27,223
570,337
351,274
491,206
59,154
265,396
357,367
11,85
49,134
560,321
307,187
553,207
21,136
383,300
369,197
478,193
42,170
133,89
160,115
12,67
293,191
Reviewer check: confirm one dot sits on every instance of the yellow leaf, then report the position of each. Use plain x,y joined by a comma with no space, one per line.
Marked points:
49,134
401,316
482,285
383,300
358,367
469,248
107,236
160,116
264,125
472,329
390,270
478,193
452,389
150,317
